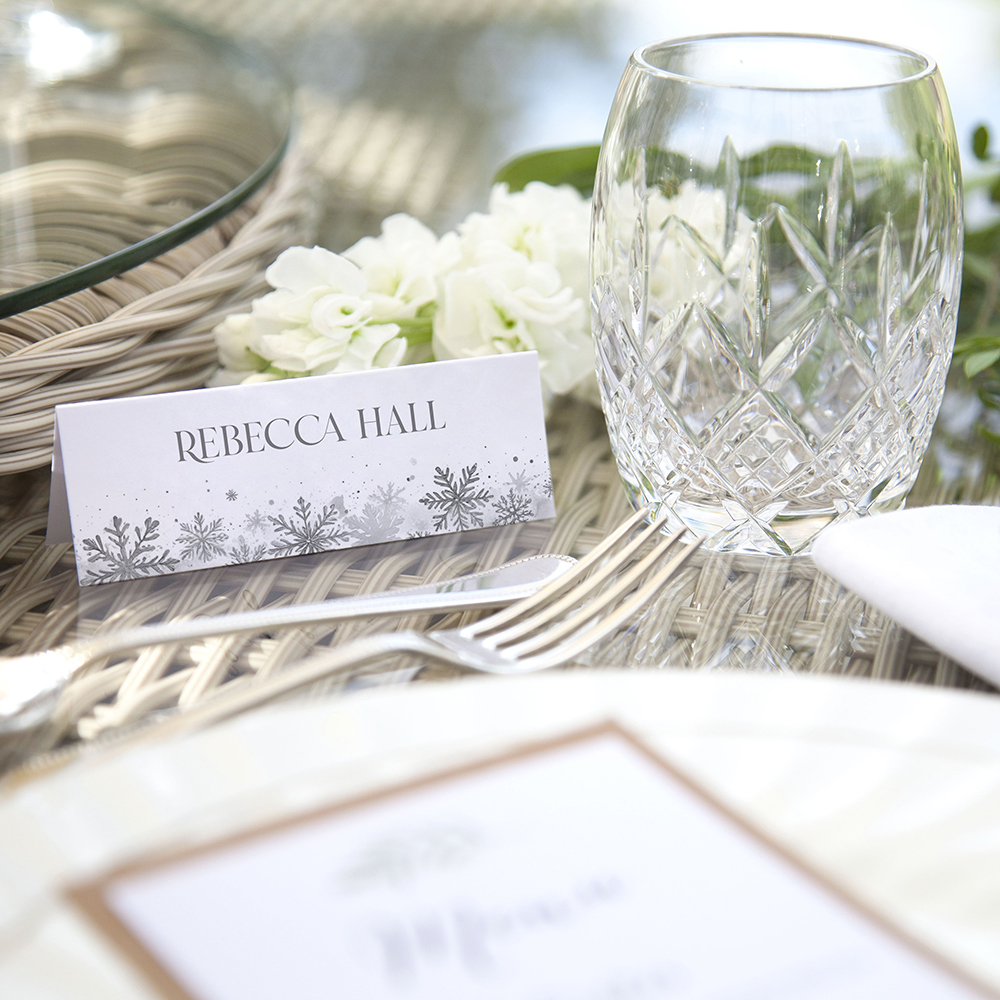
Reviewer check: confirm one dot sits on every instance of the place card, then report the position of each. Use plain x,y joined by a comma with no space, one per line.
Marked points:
150,485
585,869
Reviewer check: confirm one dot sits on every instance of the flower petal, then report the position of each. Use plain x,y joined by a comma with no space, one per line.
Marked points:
338,316
301,269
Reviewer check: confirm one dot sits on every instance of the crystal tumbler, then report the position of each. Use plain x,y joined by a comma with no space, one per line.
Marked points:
776,259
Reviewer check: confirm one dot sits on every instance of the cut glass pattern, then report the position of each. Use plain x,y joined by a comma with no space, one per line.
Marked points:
772,370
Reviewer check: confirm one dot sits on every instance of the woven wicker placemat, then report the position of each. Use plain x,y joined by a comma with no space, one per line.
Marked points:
724,611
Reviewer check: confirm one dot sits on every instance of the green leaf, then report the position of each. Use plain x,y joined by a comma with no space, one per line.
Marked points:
668,170
981,267
990,436
576,166
975,363
983,241
782,159
981,142
987,339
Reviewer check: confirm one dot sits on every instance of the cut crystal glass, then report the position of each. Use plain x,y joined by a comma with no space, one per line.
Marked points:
775,281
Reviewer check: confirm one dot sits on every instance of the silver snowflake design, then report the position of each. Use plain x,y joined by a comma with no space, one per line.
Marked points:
202,539
374,524
255,523
388,497
231,495
512,508
125,558
422,529
458,503
520,481
545,486
306,532
244,551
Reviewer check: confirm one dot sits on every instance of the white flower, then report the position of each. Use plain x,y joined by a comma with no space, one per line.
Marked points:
522,284
336,316
401,266
515,279
232,337
317,320
543,222
313,272
688,256
505,302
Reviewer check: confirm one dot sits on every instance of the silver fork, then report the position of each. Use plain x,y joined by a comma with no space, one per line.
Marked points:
534,634
30,683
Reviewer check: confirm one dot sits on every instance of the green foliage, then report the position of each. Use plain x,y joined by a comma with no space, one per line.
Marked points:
977,346
576,166
781,159
981,143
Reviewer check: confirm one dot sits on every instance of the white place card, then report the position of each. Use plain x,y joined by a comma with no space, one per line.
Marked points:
588,869
212,477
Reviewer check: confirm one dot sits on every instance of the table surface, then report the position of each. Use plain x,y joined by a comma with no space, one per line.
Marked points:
410,105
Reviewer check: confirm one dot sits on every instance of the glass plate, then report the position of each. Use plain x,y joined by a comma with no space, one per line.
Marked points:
122,135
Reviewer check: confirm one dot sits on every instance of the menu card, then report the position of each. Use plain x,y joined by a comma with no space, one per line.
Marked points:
586,869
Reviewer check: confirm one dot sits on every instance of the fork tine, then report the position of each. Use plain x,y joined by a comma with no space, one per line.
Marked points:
606,625
585,613
573,596
557,586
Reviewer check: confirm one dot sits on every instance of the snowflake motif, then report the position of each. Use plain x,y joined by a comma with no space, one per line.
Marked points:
375,524
514,508
388,497
545,486
255,523
306,533
231,495
125,559
459,504
422,529
520,482
244,551
202,539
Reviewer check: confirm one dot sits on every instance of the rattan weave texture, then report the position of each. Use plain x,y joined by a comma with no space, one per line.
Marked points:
147,330
724,611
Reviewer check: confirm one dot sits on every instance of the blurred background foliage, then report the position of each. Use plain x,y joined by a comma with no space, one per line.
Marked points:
977,347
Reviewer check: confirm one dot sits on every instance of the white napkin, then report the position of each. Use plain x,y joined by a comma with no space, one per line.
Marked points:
935,570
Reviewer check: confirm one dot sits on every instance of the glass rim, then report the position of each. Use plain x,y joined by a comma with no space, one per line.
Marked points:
273,109
639,58
112,265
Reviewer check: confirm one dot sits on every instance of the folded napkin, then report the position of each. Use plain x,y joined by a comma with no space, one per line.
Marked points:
935,570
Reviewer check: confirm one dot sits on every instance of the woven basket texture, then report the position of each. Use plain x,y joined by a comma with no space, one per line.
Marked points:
146,330
723,612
